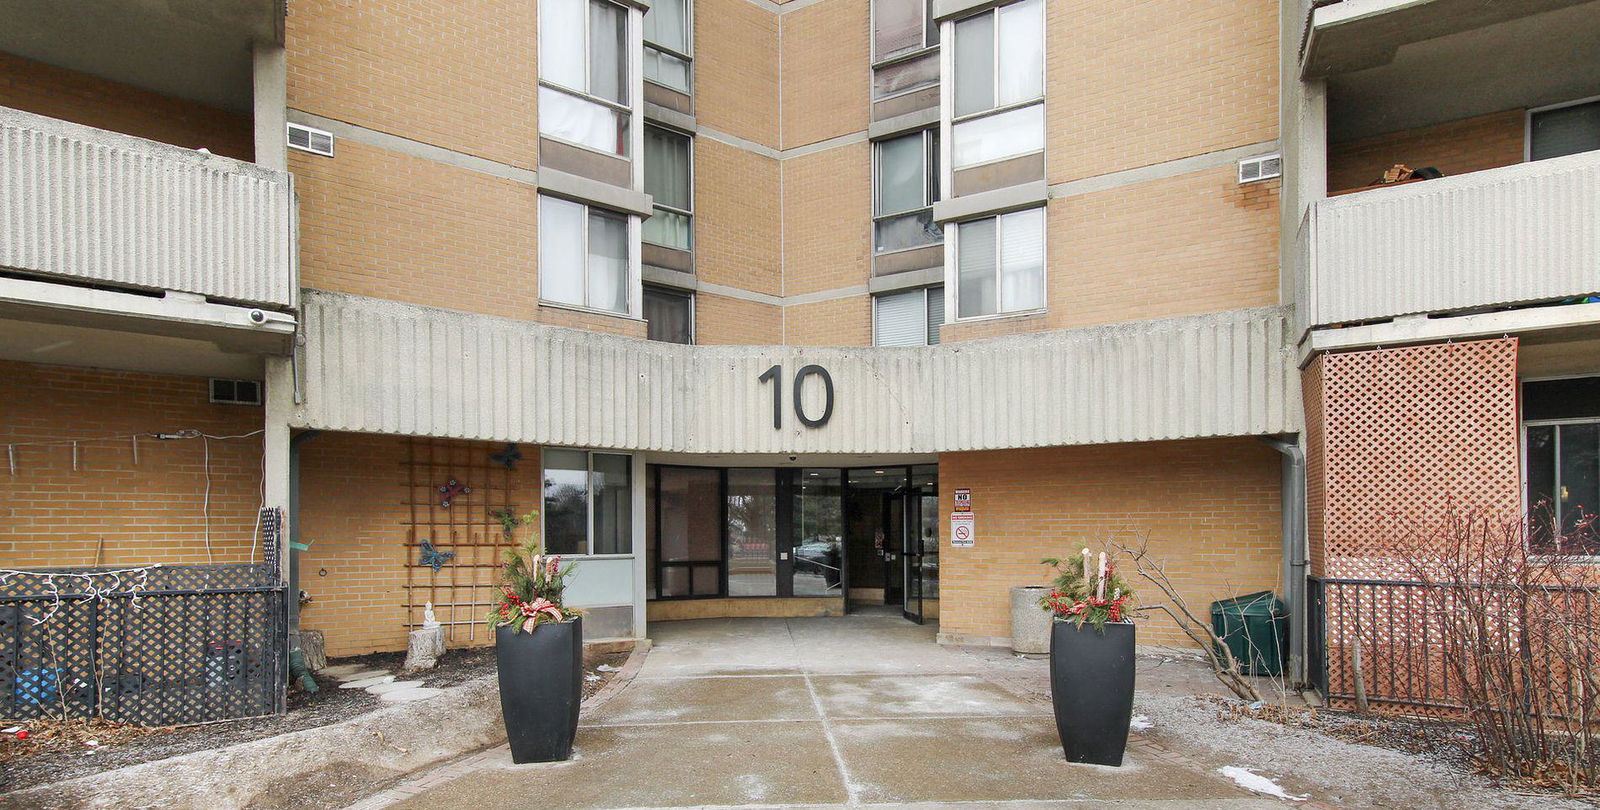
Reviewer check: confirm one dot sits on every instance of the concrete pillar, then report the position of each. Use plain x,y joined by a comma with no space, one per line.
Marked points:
275,469
639,483
270,74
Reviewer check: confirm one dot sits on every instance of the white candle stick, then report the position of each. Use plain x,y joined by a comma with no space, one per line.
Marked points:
1085,563
1100,582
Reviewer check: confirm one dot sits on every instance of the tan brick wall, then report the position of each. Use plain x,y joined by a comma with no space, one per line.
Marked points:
719,319
840,322
92,101
462,74
737,217
358,516
1185,245
827,214
134,513
736,69
826,71
1134,83
1456,147
1210,508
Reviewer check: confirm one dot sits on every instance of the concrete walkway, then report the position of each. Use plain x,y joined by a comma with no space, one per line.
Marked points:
855,712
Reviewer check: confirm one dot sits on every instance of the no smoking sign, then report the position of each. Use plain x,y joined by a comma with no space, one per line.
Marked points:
963,533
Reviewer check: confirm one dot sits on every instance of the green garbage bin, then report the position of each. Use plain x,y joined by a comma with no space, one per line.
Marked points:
1255,628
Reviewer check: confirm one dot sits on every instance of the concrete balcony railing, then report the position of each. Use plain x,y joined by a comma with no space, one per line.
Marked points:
1522,234
89,205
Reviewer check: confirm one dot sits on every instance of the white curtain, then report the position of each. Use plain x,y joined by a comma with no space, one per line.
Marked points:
994,137
561,57
1022,260
667,25
561,251
1021,52
581,121
608,262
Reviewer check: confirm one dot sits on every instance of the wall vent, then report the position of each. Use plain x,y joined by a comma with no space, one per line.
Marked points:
1264,167
235,392
311,139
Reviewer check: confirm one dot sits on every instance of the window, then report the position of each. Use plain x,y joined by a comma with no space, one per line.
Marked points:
588,503
999,84
583,255
1564,130
687,540
908,318
901,27
1562,442
905,186
817,543
669,178
666,44
1000,264
583,73
669,315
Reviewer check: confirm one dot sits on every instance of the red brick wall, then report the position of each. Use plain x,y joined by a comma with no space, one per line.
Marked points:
1456,147
135,513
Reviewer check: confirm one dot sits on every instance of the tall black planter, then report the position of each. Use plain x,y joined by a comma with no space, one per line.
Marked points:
1091,687
541,689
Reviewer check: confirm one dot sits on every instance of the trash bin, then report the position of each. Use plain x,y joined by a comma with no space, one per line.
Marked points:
1255,628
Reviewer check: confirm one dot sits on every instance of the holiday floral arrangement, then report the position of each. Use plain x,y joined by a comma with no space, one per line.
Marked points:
531,590
1087,592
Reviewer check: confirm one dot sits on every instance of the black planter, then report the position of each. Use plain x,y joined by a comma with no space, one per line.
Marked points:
1091,687
541,689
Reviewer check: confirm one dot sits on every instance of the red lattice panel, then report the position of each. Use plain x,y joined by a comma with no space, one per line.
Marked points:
1406,434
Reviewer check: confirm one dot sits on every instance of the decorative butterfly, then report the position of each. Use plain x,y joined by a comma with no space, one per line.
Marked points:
434,558
509,456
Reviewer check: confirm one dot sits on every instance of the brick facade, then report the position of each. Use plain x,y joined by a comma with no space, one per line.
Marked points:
78,97
1455,147
1210,508
113,509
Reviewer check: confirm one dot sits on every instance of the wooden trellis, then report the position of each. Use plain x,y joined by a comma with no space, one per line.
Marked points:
463,588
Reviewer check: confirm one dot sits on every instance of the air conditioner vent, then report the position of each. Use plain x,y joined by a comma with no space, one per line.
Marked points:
311,139
235,392
1264,167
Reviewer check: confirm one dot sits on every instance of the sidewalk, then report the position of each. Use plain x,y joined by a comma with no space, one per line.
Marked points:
856,712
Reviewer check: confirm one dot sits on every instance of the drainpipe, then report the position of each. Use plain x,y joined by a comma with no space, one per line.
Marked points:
294,533
1293,500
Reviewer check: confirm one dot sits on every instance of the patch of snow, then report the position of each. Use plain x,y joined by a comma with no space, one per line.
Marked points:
1140,723
1256,783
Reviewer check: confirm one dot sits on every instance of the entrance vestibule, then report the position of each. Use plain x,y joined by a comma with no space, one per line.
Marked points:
808,541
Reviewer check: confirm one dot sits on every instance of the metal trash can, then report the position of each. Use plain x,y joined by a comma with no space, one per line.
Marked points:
1255,628
1030,624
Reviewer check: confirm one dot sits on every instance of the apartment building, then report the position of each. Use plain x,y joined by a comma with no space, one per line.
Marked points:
778,309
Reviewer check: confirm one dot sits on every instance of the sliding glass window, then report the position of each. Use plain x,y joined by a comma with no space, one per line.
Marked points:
999,85
583,73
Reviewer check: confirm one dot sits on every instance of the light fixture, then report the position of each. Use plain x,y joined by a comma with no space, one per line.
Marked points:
877,472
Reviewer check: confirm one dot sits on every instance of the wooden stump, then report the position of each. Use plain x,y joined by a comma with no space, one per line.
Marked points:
312,649
423,648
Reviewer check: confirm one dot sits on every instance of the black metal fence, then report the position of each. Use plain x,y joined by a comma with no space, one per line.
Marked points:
1396,631
155,646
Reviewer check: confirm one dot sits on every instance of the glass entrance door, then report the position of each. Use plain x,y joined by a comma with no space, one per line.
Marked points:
920,555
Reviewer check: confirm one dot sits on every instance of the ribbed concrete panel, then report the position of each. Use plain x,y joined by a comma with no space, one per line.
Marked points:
383,367
95,205
1518,234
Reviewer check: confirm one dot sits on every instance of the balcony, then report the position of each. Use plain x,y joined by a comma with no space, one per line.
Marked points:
1486,241
98,208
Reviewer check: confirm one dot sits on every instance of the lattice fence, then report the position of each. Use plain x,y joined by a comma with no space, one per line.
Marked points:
468,532
1395,439
166,646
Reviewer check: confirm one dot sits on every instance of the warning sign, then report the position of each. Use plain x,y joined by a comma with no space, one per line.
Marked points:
963,500
962,533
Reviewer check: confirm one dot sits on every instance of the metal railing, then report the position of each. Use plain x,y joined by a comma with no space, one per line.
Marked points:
155,645
1400,630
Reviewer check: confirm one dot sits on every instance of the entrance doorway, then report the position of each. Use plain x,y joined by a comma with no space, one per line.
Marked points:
892,541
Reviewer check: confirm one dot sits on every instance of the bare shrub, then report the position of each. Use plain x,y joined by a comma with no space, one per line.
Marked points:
1515,611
